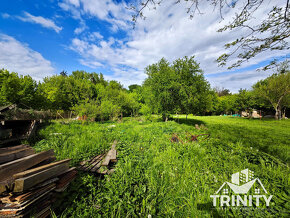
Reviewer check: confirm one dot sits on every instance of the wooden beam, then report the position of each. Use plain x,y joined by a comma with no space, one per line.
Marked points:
13,148
114,144
107,159
7,170
13,155
28,182
38,169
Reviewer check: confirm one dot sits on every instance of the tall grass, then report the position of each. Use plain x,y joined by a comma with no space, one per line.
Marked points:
157,177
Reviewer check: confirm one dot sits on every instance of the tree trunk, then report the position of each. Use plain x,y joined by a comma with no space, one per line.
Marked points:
278,113
166,119
284,113
186,116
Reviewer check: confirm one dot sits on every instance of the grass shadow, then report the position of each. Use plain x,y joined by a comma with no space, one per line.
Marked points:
189,121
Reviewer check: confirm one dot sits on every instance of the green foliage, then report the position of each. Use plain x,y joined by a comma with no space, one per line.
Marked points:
276,90
16,89
164,179
180,87
146,111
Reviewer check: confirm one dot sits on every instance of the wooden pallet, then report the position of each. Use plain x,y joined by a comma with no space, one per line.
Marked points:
100,163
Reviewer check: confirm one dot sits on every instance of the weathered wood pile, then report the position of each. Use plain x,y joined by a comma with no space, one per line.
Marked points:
29,181
101,163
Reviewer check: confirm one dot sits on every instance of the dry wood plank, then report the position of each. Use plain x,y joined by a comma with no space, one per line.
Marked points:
86,164
44,213
108,158
114,144
114,156
2,187
16,166
47,161
26,205
96,167
96,163
66,171
13,155
5,185
26,183
38,169
13,148
66,179
26,196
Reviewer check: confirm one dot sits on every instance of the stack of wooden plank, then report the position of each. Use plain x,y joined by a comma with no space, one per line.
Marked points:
101,163
29,181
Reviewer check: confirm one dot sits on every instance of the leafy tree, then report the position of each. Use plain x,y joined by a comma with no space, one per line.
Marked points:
275,89
89,108
222,91
179,87
244,100
20,90
194,94
162,82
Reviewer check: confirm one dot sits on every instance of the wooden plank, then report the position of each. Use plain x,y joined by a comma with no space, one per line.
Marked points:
26,183
26,196
86,164
96,167
13,148
66,179
47,161
108,158
13,155
97,162
38,169
2,187
5,185
114,156
16,166
114,144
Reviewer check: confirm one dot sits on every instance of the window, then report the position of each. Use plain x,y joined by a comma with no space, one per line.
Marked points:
225,191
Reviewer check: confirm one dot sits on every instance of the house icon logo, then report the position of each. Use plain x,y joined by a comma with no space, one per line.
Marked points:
244,189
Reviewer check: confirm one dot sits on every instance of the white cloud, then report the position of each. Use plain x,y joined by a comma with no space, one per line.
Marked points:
47,23
107,10
18,57
166,32
5,15
81,28
235,81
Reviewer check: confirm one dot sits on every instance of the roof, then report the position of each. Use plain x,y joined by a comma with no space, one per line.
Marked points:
243,189
7,107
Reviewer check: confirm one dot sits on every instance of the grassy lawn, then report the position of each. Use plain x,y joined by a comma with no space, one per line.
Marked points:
157,177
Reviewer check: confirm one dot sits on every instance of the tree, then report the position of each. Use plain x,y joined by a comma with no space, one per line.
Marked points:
162,82
15,89
244,100
194,89
260,36
275,89
222,91
178,87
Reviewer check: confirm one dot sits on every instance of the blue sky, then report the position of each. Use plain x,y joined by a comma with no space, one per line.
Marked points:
42,38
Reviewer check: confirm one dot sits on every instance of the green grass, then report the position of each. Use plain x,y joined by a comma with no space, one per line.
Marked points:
157,177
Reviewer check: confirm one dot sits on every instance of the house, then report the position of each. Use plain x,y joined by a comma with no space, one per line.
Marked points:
242,183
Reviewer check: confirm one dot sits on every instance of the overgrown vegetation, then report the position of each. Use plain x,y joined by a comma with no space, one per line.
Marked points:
170,88
157,177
